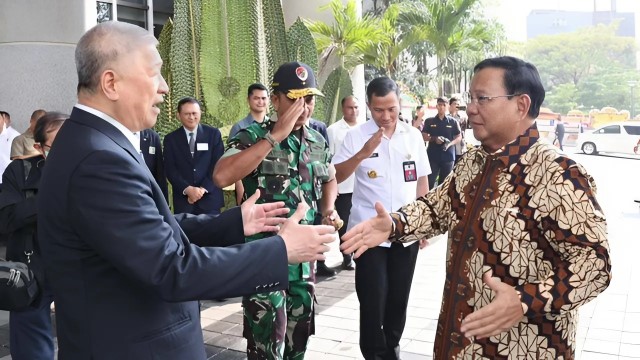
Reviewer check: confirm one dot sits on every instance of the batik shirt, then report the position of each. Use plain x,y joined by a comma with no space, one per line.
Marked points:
527,213
293,171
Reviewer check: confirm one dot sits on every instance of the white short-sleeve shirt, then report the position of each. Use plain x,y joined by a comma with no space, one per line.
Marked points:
336,133
381,177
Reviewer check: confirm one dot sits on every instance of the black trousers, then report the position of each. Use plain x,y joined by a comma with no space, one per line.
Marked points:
383,283
343,207
439,170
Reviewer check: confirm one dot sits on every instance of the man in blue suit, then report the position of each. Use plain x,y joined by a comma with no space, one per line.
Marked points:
190,154
124,271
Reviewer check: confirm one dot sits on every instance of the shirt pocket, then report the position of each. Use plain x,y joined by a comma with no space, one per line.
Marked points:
372,169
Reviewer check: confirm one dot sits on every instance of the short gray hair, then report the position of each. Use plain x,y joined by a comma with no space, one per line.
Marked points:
103,45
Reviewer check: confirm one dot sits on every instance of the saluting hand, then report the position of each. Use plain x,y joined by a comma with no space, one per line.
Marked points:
287,122
372,144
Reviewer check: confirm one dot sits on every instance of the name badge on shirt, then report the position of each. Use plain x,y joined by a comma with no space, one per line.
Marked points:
409,168
202,147
152,150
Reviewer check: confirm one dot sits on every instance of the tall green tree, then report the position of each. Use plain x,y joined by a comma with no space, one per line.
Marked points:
399,28
348,37
445,28
588,68
345,40
572,57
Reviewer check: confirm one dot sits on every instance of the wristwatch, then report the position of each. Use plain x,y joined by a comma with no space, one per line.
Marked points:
270,139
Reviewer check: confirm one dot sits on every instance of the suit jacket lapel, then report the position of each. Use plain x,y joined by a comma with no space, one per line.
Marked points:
88,119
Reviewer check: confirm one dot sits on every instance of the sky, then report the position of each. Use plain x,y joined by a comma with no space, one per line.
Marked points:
513,13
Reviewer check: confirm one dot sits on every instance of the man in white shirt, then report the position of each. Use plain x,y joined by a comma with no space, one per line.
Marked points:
7,134
389,160
336,133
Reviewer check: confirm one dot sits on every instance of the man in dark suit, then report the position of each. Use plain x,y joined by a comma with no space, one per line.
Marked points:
190,154
151,149
125,272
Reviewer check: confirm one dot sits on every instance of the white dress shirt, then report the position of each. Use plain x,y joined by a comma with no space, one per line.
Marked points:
133,138
381,177
336,133
6,139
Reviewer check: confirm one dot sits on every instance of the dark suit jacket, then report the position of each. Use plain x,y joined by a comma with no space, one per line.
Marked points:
151,148
122,268
184,170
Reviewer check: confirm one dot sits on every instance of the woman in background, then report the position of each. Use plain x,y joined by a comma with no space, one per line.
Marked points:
30,330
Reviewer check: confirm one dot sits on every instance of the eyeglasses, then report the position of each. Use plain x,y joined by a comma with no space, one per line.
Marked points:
483,100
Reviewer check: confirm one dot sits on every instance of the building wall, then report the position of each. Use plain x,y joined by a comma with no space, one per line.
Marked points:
37,68
37,55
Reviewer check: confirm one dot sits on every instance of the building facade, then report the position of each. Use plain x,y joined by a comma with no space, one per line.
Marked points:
37,51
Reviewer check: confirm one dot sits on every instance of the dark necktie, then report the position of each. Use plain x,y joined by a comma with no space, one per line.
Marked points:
192,144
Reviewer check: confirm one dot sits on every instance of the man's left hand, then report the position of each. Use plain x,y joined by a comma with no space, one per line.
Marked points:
262,217
500,315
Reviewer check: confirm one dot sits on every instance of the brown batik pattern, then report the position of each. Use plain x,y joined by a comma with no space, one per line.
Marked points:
527,213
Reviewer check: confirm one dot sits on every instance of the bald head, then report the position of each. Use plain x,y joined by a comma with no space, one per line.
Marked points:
103,46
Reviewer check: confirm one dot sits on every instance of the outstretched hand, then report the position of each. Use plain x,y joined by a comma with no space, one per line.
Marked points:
368,234
504,312
262,217
305,242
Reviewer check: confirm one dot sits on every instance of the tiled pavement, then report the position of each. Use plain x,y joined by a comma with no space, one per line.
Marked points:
609,327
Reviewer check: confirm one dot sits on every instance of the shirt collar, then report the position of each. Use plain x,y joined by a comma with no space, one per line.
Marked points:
133,139
342,123
250,119
187,131
511,153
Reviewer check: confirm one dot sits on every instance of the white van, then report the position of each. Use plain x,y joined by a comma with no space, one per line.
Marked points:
614,137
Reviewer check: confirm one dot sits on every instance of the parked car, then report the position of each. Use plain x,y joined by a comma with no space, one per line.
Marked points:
614,137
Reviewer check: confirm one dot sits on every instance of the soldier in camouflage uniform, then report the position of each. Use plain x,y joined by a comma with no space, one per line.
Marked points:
287,161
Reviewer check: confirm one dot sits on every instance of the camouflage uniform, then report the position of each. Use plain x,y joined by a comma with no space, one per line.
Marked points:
278,324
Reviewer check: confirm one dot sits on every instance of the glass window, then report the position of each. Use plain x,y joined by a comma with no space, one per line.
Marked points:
132,2
632,129
104,11
132,15
612,129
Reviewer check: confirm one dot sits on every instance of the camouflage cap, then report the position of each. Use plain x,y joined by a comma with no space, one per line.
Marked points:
296,80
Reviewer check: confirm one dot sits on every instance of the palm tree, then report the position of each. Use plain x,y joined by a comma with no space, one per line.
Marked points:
398,25
348,37
346,41
444,28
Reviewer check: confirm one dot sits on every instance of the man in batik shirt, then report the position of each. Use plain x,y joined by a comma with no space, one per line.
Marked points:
527,238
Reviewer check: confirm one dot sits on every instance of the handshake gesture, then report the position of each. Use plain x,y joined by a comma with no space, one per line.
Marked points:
303,242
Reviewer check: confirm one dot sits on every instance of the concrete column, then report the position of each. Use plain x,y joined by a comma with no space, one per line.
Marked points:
37,44
309,9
